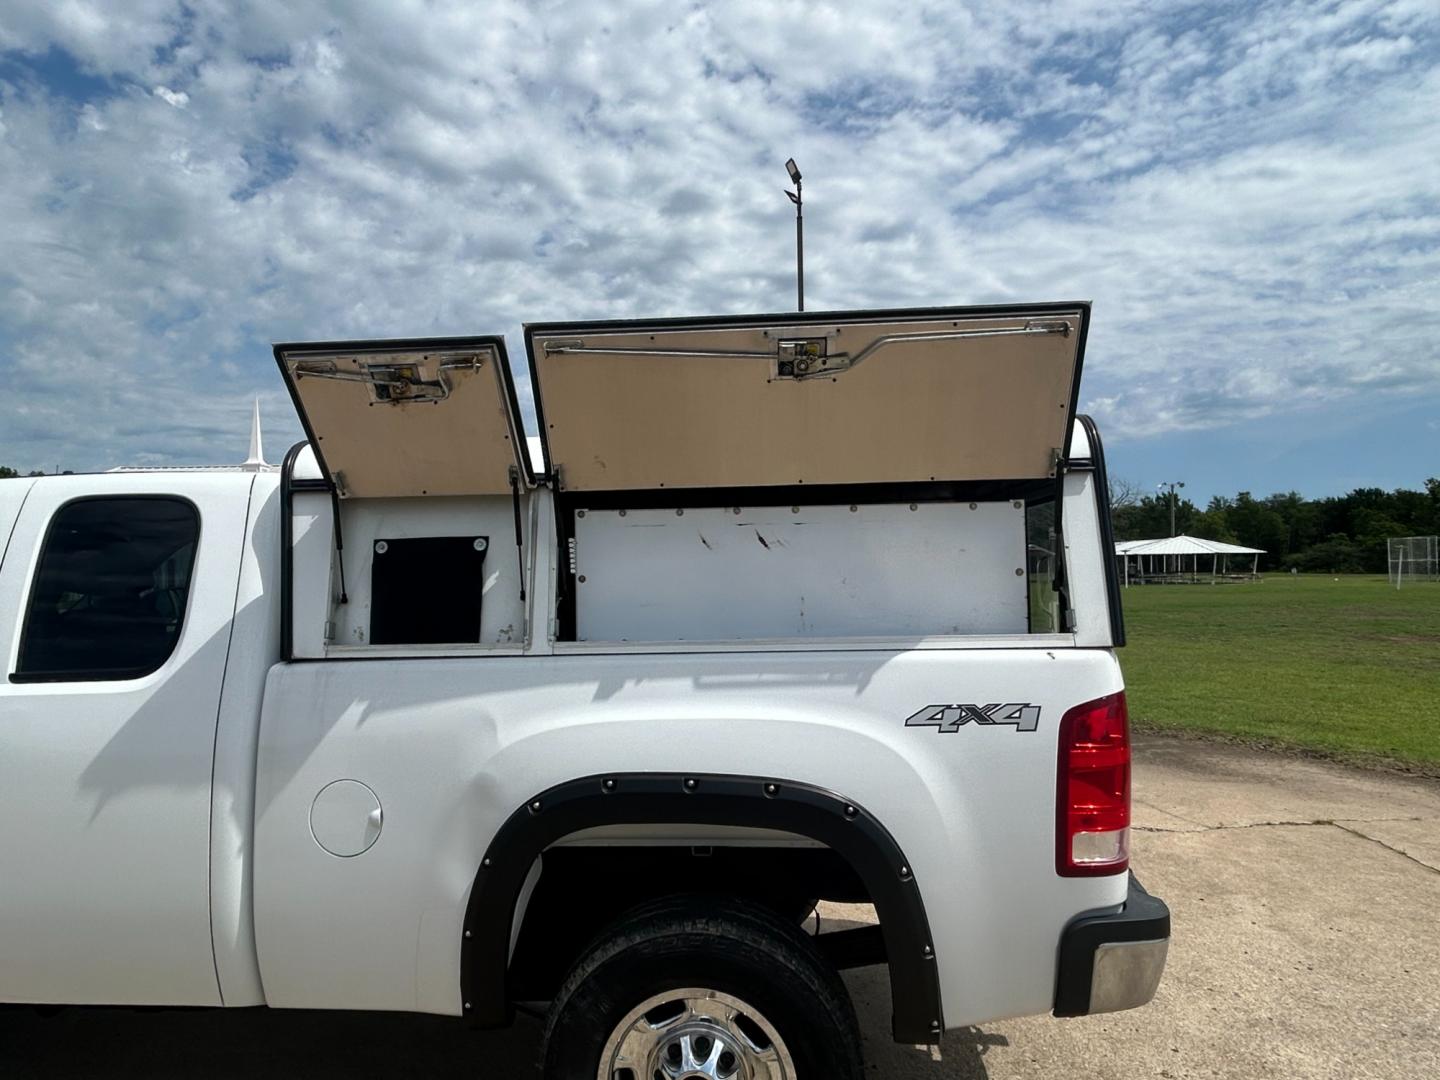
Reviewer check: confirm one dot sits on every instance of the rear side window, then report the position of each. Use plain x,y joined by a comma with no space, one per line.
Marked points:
110,590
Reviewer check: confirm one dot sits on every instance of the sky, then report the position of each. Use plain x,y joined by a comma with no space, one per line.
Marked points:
1249,193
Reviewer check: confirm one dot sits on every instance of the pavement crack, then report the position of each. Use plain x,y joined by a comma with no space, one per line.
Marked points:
1388,847
1170,813
1203,827
1232,828
1299,824
1379,820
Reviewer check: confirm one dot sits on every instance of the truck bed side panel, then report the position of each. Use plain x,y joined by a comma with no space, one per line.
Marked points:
452,746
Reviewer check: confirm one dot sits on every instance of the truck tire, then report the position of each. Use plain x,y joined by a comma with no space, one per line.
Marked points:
702,987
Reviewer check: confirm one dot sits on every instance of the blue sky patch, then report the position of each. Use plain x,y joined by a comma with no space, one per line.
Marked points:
59,74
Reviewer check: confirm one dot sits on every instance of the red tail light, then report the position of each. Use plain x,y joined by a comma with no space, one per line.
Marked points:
1092,834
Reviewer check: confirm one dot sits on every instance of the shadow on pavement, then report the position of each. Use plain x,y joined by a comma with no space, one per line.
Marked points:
960,1057
164,1043
134,1043
167,1044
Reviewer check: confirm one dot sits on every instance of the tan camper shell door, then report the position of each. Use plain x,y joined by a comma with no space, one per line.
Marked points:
839,398
398,418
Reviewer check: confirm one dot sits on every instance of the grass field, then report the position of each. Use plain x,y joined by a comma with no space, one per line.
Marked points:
1348,667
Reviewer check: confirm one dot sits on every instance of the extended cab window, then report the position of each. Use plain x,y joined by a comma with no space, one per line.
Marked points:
109,594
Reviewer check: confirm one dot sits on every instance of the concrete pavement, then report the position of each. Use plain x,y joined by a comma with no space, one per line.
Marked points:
1306,903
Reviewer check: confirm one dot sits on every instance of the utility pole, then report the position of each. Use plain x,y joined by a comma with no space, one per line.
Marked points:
1172,485
796,198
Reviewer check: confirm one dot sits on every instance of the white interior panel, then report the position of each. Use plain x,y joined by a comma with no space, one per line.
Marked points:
502,615
715,574
312,549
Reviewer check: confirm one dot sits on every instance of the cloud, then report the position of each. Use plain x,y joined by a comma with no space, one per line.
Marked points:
177,98
1247,194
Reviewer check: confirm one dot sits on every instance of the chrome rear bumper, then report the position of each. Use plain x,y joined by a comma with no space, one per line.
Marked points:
1114,961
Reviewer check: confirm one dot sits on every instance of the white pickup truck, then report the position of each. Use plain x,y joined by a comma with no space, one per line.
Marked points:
791,608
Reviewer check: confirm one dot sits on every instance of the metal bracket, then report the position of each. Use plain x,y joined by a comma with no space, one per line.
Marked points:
396,383
800,358
392,382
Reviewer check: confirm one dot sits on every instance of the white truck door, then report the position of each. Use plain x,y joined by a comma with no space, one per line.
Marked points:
116,601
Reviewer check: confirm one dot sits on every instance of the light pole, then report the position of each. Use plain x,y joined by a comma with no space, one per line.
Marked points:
1172,485
795,197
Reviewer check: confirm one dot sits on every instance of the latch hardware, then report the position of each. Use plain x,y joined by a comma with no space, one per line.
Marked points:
799,358
393,382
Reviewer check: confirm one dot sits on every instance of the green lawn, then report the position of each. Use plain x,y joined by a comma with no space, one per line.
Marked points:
1348,667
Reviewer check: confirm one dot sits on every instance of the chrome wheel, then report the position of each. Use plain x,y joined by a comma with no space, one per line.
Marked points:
695,1034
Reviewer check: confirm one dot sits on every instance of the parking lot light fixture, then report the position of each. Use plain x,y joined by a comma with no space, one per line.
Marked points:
797,198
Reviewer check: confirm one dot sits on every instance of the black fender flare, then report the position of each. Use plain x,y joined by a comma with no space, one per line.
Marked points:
700,799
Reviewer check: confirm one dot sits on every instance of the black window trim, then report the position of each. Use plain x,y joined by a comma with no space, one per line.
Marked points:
1104,513
101,674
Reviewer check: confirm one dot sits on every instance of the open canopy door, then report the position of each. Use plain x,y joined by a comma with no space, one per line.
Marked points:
833,398
435,416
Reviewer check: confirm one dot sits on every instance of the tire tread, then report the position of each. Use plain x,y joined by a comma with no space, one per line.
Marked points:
748,933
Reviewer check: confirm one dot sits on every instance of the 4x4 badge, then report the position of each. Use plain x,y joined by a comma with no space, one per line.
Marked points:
951,718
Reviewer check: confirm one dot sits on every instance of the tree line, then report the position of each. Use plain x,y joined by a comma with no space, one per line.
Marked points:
1336,534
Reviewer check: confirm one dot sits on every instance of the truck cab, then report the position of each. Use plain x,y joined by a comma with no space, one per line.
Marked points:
786,609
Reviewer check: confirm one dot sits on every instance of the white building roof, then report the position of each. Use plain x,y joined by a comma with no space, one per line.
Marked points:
1182,545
